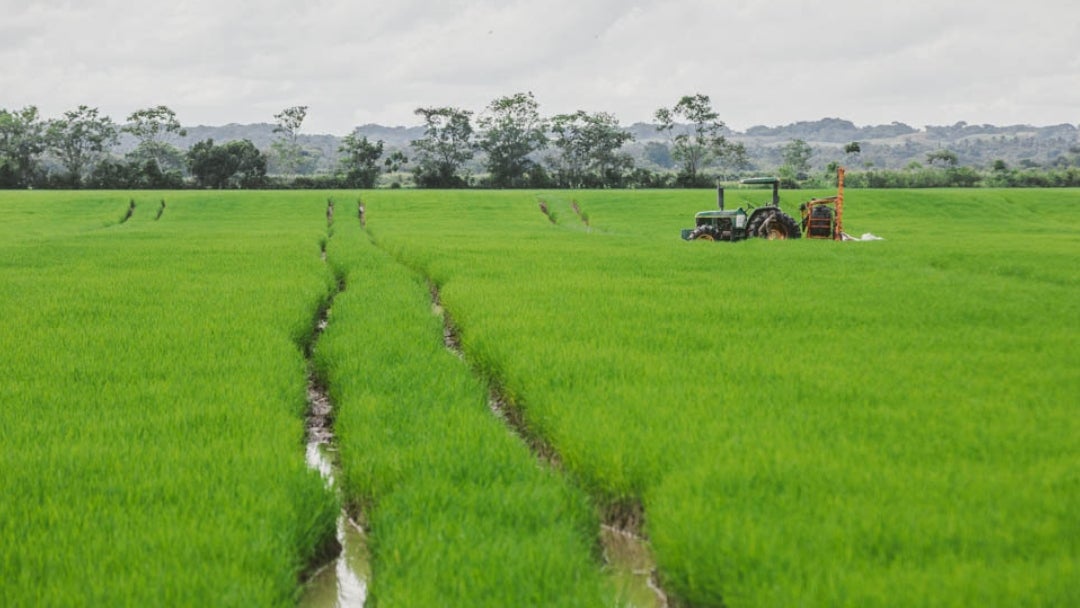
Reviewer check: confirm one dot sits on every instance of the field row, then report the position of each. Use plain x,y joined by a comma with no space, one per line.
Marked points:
459,511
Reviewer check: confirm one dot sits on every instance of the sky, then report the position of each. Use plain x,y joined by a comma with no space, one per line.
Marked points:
761,62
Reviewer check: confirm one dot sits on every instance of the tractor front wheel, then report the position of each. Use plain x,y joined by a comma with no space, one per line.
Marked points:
704,233
775,225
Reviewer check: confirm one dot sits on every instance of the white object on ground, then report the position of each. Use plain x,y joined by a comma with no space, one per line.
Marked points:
867,236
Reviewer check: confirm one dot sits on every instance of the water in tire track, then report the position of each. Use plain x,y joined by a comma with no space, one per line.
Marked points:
342,583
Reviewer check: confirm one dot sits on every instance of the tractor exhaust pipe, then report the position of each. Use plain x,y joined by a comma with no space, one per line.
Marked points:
720,195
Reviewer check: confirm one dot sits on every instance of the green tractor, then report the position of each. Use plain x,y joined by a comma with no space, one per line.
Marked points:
767,221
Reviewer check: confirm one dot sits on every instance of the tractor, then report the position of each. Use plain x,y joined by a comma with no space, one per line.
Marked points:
767,221
822,218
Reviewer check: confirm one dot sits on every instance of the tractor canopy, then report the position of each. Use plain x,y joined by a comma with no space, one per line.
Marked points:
767,181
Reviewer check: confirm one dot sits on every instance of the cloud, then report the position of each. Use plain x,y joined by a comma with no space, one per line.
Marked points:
761,62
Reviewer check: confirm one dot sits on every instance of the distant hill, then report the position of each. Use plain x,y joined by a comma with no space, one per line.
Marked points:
831,130
894,145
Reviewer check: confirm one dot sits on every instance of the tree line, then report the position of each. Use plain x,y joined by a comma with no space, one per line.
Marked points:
509,140
518,148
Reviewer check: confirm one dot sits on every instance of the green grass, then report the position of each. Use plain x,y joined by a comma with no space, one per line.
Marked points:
803,422
818,423
151,408
460,512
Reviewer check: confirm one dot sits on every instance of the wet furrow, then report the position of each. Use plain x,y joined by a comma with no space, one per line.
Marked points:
626,552
341,583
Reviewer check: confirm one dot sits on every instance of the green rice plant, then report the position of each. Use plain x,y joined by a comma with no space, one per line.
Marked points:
805,422
151,409
802,422
460,513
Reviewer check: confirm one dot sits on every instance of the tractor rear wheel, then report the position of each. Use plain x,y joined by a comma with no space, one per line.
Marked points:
704,233
773,225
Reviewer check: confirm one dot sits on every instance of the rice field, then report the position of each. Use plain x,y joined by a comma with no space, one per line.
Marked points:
793,423
151,400
804,422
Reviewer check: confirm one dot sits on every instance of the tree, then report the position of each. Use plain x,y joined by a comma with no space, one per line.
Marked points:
22,141
852,152
947,158
236,164
395,161
1074,155
360,160
510,130
570,163
701,143
589,149
1000,175
444,148
151,126
287,149
735,157
80,139
796,154
114,174
250,164
658,154
208,165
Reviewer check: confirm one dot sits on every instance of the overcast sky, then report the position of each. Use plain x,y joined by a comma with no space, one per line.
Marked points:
770,62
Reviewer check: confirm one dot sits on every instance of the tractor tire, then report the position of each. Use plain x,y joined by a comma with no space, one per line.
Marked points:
773,225
704,233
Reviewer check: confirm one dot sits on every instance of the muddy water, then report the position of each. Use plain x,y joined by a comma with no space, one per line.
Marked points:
630,564
343,582
627,558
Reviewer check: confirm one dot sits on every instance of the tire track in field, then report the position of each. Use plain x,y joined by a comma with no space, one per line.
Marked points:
547,208
341,580
129,212
625,550
497,401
